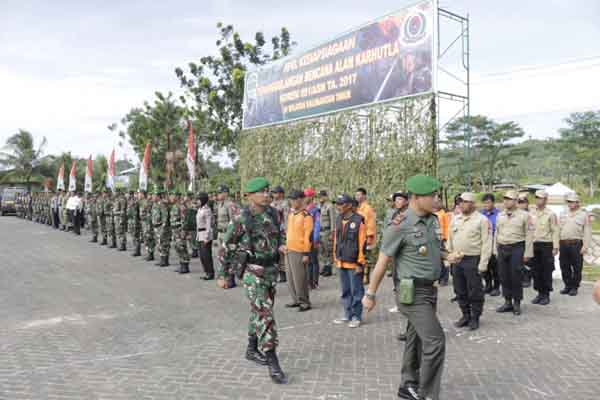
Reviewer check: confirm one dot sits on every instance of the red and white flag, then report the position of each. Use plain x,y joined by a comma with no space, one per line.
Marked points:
110,173
73,177
144,169
88,175
60,181
191,157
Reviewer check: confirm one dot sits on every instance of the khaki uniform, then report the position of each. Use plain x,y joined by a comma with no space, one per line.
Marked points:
514,240
545,240
471,237
575,239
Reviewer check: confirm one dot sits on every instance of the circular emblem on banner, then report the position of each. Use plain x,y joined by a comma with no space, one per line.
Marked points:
414,30
352,225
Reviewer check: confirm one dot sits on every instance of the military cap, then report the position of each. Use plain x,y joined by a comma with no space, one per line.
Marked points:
511,194
422,185
223,189
523,197
541,194
323,193
468,196
343,199
572,197
309,192
278,189
296,194
256,185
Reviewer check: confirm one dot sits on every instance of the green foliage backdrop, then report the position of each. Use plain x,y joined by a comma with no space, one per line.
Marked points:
376,147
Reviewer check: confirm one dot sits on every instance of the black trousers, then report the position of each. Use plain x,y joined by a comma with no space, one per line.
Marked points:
206,258
76,222
468,286
510,267
542,267
55,219
571,263
491,276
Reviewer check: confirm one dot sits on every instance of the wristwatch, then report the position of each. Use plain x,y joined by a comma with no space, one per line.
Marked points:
370,296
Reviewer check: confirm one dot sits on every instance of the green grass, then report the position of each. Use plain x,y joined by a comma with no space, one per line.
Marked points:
591,273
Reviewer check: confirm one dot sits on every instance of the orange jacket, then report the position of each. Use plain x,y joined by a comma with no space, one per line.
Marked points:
362,240
299,229
370,217
444,220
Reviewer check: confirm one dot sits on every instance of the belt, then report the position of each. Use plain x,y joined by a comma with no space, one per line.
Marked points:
201,229
423,283
542,244
221,230
325,229
511,244
571,241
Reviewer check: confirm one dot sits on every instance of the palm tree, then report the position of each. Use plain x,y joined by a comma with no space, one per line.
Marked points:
21,155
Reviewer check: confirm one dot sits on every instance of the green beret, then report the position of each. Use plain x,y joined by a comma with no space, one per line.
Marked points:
256,185
422,185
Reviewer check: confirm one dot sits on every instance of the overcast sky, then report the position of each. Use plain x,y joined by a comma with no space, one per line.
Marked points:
68,69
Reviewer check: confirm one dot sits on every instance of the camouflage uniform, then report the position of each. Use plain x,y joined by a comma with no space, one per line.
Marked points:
146,213
325,238
225,212
259,235
110,222
160,219
177,213
189,226
134,225
120,215
91,216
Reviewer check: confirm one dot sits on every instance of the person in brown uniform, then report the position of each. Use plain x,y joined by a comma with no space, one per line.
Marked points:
514,239
545,247
575,238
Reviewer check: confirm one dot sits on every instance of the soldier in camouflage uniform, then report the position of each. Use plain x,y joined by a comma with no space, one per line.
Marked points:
160,220
189,225
146,212
177,216
110,221
280,203
327,225
251,246
134,226
100,206
91,216
226,210
120,212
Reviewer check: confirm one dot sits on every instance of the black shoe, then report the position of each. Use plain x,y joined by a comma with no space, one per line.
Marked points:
164,262
149,257
304,307
401,337
275,372
565,290
195,253
495,292
452,300
94,239
137,252
506,307
292,305
409,392
517,308
545,300
282,277
462,322
184,268
112,246
104,242
573,292
252,353
474,324
123,248
208,277
327,274
537,299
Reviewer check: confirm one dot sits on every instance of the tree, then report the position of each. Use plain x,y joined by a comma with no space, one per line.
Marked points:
579,144
214,87
492,146
21,155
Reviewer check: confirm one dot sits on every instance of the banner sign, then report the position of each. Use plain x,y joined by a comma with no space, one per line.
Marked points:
390,58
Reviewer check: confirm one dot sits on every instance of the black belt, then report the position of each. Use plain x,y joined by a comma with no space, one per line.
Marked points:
201,229
423,283
545,244
511,245
571,241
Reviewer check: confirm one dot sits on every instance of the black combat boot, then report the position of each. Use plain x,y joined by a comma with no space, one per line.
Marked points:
252,352
545,300
326,271
463,321
94,239
537,299
150,256
282,277
160,261
506,307
104,241
517,307
164,261
184,268
137,251
474,323
275,372
194,253
123,247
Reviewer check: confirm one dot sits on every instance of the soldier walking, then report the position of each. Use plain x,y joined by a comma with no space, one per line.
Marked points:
226,210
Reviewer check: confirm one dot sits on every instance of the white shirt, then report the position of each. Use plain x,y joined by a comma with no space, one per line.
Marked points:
74,203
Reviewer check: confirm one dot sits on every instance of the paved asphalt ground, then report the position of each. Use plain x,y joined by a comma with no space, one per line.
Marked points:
80,321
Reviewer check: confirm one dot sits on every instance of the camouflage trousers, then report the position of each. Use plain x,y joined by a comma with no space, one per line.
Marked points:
121,230
103,227
135,232
260,292
164,241
93,225
325,249
110,227
192,243
180,238
148,237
